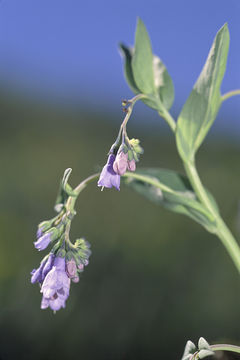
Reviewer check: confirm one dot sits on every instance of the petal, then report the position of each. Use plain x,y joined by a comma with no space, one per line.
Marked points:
37,273
48,266
131,165
42,242
48,292
50,283
59,262
36,276
44,303
39,233
116,182
63,293
57,304
62,280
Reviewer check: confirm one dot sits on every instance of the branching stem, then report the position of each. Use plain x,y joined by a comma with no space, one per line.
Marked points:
222,230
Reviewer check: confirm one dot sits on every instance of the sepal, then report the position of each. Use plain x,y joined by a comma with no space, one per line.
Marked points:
81,251
61,253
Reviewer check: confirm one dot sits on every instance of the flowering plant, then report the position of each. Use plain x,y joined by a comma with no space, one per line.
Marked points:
149,79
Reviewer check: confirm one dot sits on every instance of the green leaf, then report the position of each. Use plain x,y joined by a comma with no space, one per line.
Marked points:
65,190
127,54
204,353
164,94
146,73
189,350
65,178
142,60
181,197
203,344
201,108
163,83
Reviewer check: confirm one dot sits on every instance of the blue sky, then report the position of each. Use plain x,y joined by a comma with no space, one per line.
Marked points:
67,49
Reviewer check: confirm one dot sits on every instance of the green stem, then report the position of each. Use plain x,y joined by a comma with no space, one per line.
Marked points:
72,199
222,230
129,113
225,347
230,94
149,180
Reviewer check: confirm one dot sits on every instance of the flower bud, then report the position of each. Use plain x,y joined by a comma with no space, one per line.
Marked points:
75,279
81,267
46,238
42,227
131,165
121,163
71,269
43,242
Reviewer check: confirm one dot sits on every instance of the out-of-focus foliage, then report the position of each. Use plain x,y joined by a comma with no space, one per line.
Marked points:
155,278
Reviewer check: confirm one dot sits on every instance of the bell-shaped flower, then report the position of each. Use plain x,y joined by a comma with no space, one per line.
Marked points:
108,177
39,274
71,268
51,235
120,164
56,286
131,165
39,233
43,242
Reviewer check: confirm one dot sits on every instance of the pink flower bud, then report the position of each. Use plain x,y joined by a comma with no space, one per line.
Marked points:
121,163
81,266
71,269
131,165
75,279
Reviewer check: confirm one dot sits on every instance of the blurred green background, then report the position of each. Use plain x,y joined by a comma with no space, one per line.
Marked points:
155,279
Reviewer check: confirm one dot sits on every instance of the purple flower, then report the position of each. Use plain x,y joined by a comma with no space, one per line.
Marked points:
39,233
39,274
43,242
131,165
121,163
56,286
108,178
71,269
48,265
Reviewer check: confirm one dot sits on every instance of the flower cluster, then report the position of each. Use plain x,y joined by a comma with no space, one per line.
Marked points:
120,160
64,263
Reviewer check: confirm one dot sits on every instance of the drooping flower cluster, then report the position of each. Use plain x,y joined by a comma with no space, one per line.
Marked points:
57,270
64,263
121,159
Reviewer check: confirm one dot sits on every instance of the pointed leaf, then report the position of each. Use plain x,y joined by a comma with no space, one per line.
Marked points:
203,344
65,178
163,83
190,349
65,190
142,60
204,353
127,54
181,197
164,89
200,109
